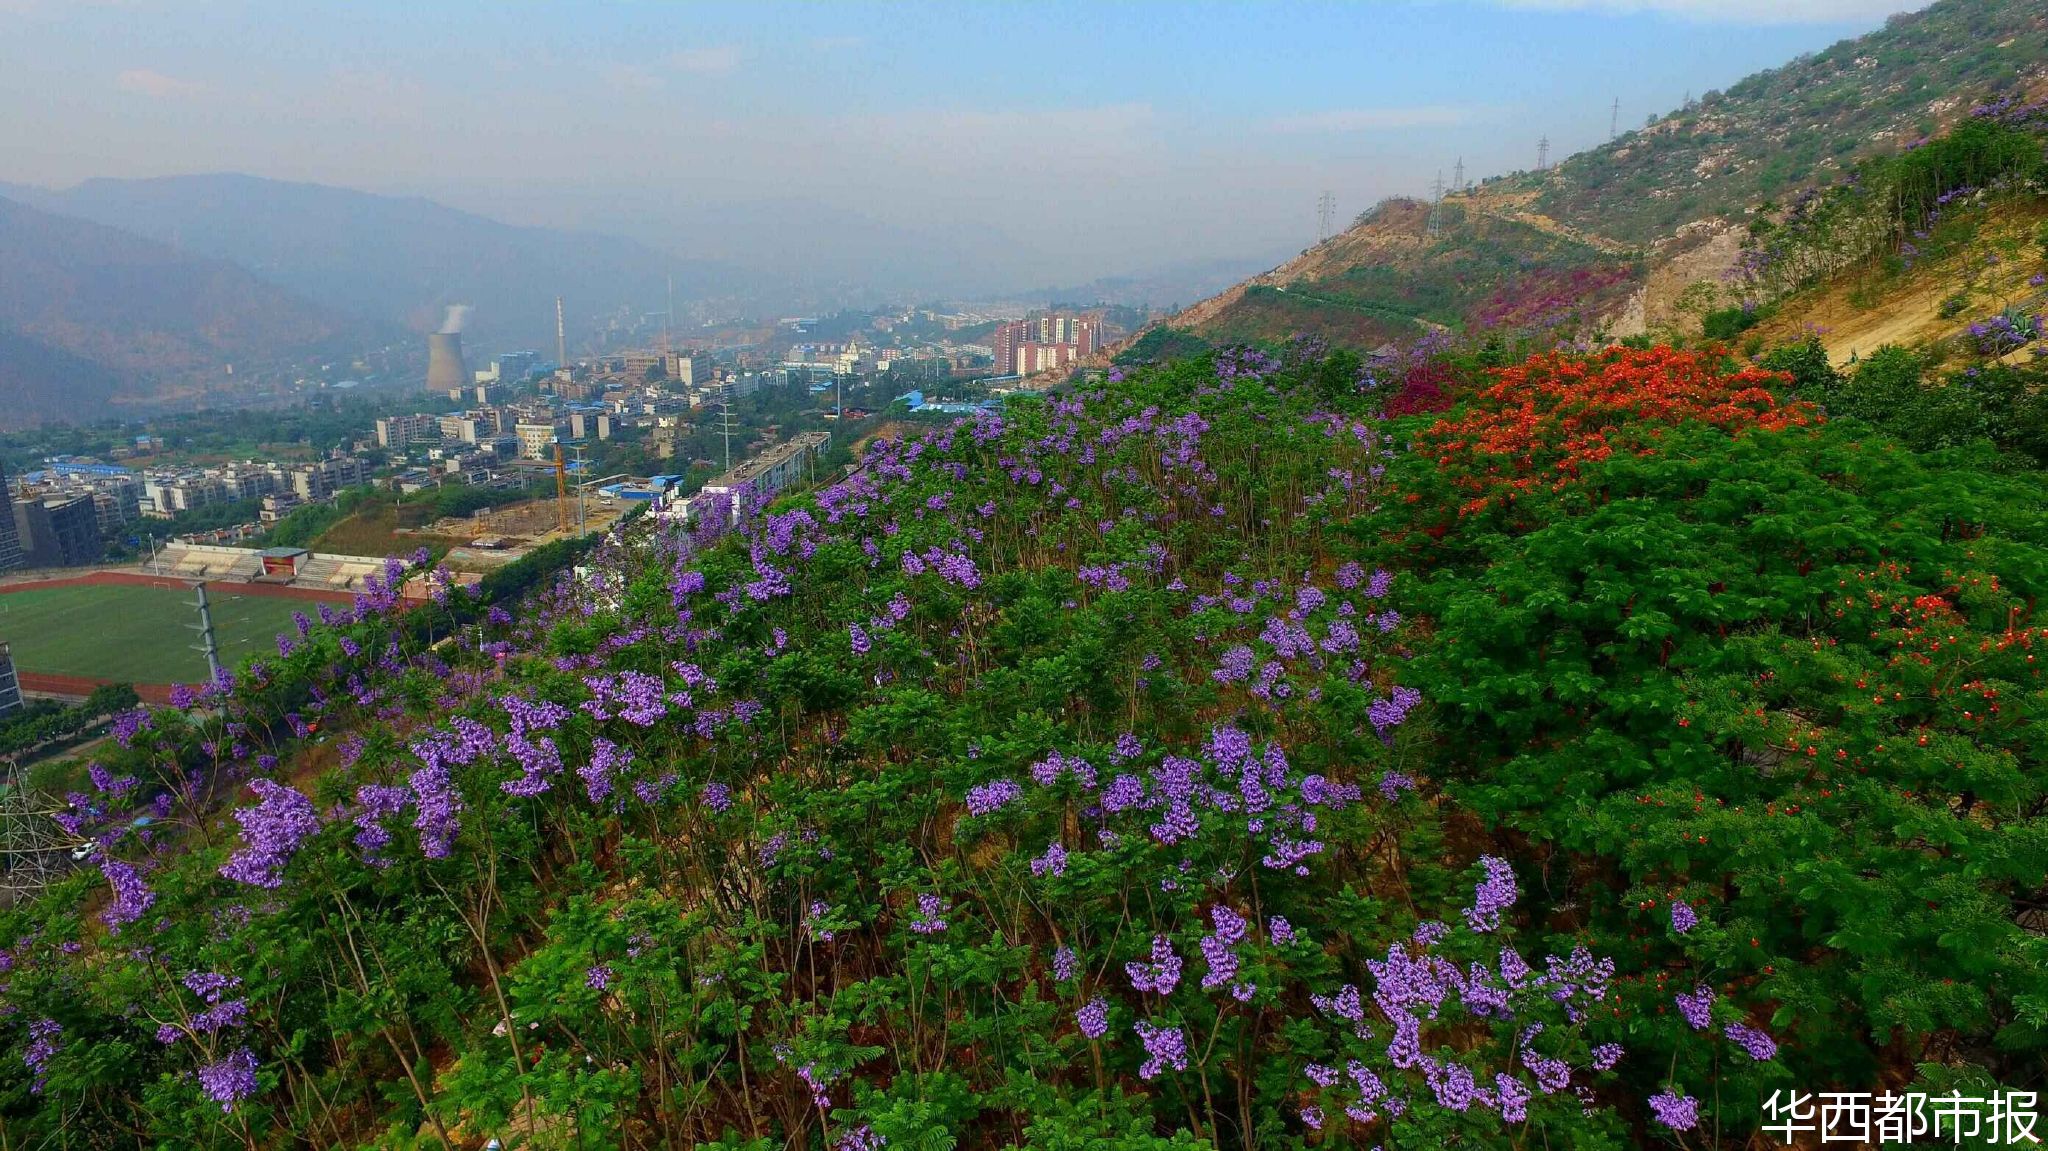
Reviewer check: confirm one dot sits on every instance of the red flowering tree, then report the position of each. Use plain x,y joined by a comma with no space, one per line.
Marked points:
1543,420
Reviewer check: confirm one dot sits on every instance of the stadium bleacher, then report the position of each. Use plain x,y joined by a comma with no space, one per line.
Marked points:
205,561
212,562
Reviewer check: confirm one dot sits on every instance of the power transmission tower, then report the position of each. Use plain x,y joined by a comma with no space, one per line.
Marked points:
1436,198
1614,120
581,530
725,424
32,846
1458,176
1543,154
1326,215
206,642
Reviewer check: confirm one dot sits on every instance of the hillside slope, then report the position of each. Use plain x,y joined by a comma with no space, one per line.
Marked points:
1202,754
1802,124
1617,234
90,314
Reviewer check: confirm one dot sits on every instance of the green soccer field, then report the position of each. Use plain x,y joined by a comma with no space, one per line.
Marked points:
136,634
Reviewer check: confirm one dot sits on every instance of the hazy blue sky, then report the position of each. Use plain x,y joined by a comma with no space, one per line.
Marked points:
1095,138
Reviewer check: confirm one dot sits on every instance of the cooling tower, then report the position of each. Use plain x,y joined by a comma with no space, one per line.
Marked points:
445,370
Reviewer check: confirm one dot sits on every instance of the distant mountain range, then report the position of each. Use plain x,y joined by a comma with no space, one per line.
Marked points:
1160,287
393,260
92,317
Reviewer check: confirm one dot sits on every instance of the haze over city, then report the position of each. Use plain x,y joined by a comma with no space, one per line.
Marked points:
979,148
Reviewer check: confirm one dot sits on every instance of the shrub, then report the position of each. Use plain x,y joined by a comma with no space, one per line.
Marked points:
1728,323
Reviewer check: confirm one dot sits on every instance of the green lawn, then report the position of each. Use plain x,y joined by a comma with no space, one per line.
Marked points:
136,634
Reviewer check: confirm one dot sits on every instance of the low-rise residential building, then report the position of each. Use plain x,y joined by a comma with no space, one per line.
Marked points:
395,432
277,506
762,476
588,425
537,440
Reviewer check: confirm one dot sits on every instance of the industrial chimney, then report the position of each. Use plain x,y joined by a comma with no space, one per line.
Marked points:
445,370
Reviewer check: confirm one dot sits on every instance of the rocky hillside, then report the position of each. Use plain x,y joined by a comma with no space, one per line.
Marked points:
1803,124
1621,234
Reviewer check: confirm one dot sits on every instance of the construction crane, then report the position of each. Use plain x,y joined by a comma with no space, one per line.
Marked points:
561,489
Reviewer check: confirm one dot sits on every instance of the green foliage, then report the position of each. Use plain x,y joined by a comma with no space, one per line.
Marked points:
1728,323
44,721
682,838
1162,344
1901,392
1757,675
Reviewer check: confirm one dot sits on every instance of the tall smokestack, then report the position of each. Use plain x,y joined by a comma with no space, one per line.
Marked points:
561,337
445,369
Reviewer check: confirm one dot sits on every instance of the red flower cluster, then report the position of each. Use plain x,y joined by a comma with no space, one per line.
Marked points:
1425,388
1543,420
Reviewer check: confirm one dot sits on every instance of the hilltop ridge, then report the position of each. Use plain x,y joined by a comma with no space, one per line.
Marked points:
1613,237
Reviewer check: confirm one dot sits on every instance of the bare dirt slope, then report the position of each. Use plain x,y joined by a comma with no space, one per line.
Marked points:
1853,318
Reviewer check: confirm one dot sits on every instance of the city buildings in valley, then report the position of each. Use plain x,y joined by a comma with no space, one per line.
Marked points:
1043,342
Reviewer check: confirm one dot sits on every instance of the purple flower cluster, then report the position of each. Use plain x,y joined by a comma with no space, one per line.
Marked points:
1698,1008
1389,713
1683,918
1093,1018
1495,894
607,762
42,1047
1219,947
988,798
129,724
230,1080
814,917
271,832
132,897
929,919
1162,974
1164,1047
1678,1112
2005,332
1754,1043
861,1138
